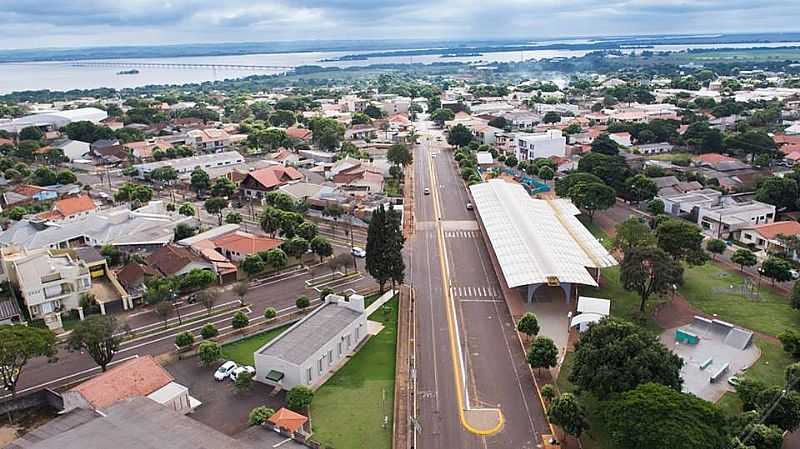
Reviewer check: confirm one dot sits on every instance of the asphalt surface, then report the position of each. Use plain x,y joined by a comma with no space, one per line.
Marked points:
496,373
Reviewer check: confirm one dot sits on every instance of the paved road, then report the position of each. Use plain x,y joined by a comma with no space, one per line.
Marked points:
279,292
496,374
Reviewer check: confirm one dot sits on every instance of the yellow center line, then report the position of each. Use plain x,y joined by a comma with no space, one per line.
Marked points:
458,372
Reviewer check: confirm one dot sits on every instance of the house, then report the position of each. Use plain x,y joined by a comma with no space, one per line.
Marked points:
622,139
360,132
396,105
287,420
25,193
68,209
140,376
237,245
74,149
49,281
209,140
258,183
143,150
133,277
767,237
533,146
315,346
521,119
184,166
109,154
484,133
172,260
484,158
360,176
655,148
302,134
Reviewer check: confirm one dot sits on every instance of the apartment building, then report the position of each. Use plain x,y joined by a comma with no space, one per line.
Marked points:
185,166
533,146
208,140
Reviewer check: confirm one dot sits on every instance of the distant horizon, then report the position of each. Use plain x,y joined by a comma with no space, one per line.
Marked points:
703,34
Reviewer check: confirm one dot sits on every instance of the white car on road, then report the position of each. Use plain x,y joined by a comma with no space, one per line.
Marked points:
358,252
224,371
240,369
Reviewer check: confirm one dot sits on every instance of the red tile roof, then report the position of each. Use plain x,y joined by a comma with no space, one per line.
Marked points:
771,230
170,259
133,272
287,419
299,133
74,205
713,158
245,243
274,176
137,377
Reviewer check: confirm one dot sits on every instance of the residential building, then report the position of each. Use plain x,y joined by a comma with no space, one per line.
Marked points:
185,166
396,105
74,149
140,376
360,132
533,146
655,148
173,260
484,133
208,140
768,237
718,215
522,119
49,281
315,346
238,244
622,139
258,183
68,209
302,134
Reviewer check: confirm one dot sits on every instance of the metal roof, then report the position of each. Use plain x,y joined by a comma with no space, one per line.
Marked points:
537,241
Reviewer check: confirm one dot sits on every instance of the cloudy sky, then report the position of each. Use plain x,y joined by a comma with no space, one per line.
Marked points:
70,23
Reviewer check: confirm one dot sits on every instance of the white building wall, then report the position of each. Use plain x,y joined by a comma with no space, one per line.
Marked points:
533,146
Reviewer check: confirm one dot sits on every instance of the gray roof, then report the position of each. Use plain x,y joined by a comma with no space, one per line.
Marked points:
306,337
8,309
665,181
138,423
57,426
89,254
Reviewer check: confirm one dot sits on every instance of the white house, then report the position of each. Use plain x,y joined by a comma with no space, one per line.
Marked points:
74,149
532,146
307,352
622,139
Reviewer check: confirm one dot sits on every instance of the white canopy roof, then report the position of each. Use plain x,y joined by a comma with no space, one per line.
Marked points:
600,306
537,241
585,318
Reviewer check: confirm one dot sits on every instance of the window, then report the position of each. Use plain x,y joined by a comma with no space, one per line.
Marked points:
339,352
308,375
358,329
330,357
348,341
319,365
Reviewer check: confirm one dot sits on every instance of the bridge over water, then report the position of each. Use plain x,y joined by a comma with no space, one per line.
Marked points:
176,65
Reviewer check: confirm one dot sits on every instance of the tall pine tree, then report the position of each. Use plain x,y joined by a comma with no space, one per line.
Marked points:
377,246
395,265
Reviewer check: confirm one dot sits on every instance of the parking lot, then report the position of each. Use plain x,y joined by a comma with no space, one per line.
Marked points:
223,408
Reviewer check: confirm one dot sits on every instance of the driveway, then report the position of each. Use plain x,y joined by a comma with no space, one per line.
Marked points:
223,409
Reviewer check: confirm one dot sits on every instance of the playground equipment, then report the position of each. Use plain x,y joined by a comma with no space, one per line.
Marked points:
683,336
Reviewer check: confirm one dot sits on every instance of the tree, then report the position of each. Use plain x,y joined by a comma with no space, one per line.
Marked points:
615,356
259,415
240,289
546,173
187,210
613,170
551,117
184,340
655,206
243,382
640,188
223,188
282,118
777,269
197,279
542,353
271,220
780,192
30,133
657,417
395,263
239,320
233,218
779,407
548,392
649,271
567,413
459,136
744,258
199,181
439,116
307,230
334,211
43,176
276,258
499,122
377,246
207,299
682,240
209,352
97,336
528,325
253,264
511,162
19,344
716,246
565,183
66,177
216,205
163,310
209,331
633,233
302,303
321,247
270,313
604,145
791,342
399,154
130,192
295,247
796,296
299,398
280,200
591,197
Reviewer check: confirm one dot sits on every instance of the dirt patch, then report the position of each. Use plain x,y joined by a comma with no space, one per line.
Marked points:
675,313
8,434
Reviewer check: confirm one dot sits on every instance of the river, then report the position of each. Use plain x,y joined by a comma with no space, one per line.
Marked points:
65,76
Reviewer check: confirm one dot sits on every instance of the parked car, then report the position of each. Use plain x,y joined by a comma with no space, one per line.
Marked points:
358,252
469,206
225,370
427,191
795,274
240,369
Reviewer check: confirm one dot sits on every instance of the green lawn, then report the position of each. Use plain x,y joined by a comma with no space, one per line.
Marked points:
349,409
242,351
596,231
624,304
707,287
597,436
392,187
670,156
